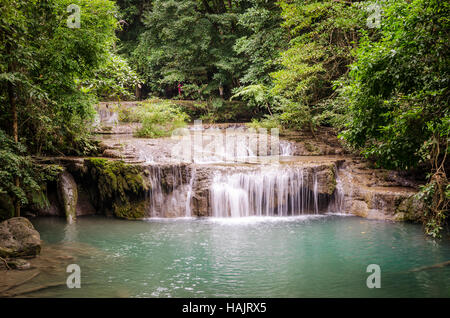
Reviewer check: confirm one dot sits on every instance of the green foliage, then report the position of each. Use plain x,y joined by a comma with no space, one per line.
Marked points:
434,218
398,93
113,80
176,46
159,119
263,39
283,112
15,162
322,35
130,15
332,112
257,96
294,115
43,105
46,62
221,111
268,122
398,98
209,46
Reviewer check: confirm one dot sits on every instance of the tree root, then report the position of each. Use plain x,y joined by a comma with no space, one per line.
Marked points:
6,263
440,265
20,284
32,290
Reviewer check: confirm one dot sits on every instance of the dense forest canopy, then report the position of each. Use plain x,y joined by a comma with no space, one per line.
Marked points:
375,71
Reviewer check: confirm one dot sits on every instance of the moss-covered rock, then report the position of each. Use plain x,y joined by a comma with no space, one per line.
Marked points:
117,187
410,209
326,180
312,149
115,178
130,210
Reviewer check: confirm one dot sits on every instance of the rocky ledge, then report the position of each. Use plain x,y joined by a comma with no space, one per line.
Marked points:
138,178
378,194
135,191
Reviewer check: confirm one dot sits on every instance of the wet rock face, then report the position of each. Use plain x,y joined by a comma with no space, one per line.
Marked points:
18,238
322,143
68,195
326,179
54,207
16,263
170,190
371,193
410,209
368,193
200,203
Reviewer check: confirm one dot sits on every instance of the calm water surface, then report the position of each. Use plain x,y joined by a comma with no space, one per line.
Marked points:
308,256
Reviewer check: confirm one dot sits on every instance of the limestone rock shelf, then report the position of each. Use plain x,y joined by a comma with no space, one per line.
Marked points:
139,190
138,178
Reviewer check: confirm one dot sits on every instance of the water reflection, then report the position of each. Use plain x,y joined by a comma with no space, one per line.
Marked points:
71,232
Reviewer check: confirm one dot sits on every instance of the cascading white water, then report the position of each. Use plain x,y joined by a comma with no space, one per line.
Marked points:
189,193
337,203
343,193
286,148
155,192
173,200
265,192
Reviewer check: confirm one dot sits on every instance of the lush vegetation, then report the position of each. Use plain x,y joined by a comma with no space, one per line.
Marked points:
44,106
113,80
398,97
15,163
209,47
158,118
378,72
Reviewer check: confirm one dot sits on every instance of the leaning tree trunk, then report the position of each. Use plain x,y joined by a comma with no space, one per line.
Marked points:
15,126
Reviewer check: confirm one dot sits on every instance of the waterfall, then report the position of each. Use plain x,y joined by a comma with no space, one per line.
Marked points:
286,148
265,192
189,193
337,203
170,195
155,192
107,116
343,192
242,190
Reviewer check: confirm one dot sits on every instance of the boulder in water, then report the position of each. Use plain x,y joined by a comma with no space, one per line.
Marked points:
18,238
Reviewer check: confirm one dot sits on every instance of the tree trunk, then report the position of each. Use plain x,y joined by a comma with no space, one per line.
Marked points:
15,125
